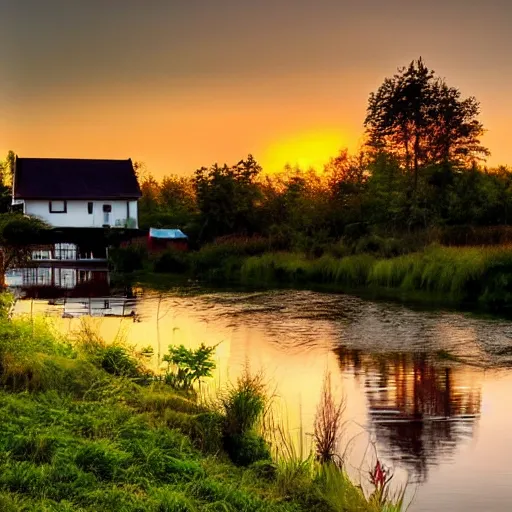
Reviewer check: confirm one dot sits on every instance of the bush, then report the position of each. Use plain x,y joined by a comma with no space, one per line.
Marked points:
6,302
355,231
228,250
171,261
244,406
116,361
247,448
187,367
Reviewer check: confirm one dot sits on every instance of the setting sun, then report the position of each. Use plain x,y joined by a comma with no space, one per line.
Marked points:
305,150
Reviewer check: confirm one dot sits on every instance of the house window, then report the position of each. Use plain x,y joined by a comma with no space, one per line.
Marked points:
66,251
90,208
41,255
107,208
58,206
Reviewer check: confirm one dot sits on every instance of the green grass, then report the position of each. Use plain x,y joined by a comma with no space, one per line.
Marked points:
405,267
480,275
81,431
244,406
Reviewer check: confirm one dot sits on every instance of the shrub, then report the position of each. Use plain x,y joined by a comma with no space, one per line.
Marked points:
369,244
355,230
187,366
244,405
228,251
171,261
265,469
6,302
247,448
116,361
206,431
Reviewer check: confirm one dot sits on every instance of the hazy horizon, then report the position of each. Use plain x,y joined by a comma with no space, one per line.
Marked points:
183,84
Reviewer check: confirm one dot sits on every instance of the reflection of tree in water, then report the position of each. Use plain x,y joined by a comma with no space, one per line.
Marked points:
419,408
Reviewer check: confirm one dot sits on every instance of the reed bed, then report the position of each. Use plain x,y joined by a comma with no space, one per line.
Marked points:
475,274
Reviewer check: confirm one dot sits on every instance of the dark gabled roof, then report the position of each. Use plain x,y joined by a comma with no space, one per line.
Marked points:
72,178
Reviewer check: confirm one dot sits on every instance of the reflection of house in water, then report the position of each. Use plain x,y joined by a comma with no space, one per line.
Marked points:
99,306
76,281
61,269
419,409
49,282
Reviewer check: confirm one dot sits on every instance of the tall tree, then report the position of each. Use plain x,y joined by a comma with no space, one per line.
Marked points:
226,198
416,117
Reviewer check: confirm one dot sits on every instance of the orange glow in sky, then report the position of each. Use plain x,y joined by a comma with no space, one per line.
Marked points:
305,150
189,83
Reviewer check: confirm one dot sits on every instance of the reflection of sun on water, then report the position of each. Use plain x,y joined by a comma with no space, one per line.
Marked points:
294,379
313,149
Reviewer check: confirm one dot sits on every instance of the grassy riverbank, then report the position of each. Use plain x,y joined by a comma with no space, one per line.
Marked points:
476,276
85,427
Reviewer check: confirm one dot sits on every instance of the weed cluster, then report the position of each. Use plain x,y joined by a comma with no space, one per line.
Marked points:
244,406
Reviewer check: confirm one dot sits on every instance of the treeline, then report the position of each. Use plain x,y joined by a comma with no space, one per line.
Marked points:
353,197
420,171
421,168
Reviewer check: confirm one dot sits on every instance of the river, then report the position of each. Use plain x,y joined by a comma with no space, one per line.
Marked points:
425,390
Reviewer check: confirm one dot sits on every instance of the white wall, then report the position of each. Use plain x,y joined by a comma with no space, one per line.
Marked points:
77,215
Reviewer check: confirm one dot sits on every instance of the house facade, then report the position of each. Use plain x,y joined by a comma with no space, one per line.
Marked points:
78,193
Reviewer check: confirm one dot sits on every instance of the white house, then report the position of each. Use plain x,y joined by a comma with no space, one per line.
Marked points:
77,193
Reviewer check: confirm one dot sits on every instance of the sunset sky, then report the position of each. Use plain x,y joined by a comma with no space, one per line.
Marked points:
183,83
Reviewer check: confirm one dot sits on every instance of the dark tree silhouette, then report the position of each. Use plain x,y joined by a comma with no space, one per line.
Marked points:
418,118
226,197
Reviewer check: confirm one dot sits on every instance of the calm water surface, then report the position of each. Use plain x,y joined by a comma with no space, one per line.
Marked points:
428,391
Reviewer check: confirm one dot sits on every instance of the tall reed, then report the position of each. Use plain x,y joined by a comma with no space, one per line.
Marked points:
328,425
481,275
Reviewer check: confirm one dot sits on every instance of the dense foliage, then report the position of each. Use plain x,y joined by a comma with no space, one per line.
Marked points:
187,367
421,168
353,197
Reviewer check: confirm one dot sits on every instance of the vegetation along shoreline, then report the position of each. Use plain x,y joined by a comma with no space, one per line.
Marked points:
87,426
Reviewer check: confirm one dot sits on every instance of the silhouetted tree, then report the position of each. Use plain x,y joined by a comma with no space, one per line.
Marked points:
226,198
422,121
347,181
